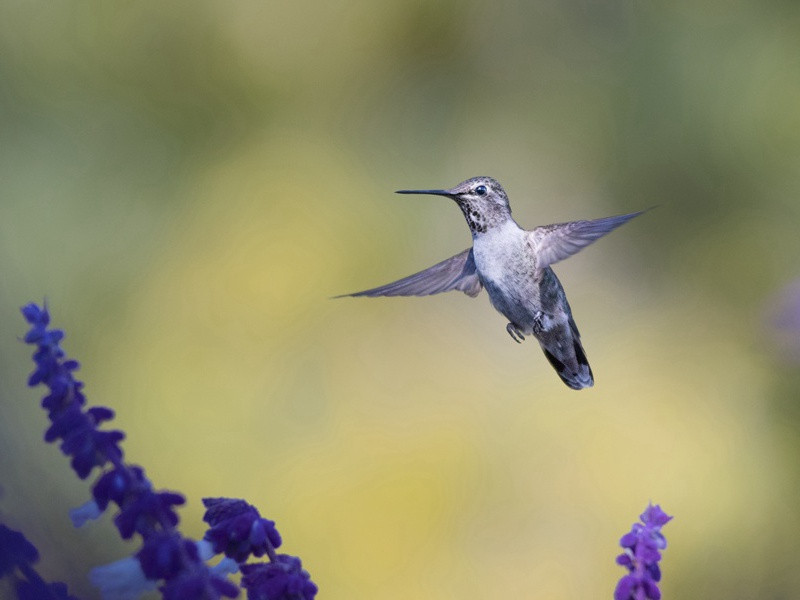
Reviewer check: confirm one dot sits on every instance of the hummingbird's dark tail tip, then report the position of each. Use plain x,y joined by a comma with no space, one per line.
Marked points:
579,375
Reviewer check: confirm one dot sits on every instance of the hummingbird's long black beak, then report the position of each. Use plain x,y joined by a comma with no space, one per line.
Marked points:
447,193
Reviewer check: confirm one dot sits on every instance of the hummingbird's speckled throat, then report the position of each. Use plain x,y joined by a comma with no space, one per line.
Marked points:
475,220
513,264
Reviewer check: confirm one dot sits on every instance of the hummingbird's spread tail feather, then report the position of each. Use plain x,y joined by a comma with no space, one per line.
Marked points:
569,361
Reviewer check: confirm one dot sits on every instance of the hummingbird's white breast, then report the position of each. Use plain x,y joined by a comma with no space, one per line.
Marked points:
498,250
506,267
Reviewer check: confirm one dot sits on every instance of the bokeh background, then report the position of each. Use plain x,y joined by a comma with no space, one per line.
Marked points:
188,184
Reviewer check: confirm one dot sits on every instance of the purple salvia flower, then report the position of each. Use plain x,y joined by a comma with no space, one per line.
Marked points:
642,552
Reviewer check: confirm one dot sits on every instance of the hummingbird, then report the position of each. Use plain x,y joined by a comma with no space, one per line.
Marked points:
513,265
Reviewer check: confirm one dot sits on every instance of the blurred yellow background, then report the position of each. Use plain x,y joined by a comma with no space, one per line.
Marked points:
189,184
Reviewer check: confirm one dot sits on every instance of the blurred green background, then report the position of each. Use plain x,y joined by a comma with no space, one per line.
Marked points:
189,183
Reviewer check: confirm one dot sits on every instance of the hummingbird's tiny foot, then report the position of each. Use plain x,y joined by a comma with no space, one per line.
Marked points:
515,333
538,325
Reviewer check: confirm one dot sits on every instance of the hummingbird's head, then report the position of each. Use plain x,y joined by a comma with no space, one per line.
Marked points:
482,200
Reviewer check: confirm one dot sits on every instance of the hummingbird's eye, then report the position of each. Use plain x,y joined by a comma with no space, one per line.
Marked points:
480,190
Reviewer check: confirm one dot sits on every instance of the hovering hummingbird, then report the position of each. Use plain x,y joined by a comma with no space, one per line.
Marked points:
513,264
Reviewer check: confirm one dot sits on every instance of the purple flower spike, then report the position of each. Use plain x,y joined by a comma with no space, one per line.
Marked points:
77,428
238,530
642,545
165,556
17,556
167,560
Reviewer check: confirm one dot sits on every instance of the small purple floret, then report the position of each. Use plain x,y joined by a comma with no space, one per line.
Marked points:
282,579
119,484
15,551
164,555
238,530
148,512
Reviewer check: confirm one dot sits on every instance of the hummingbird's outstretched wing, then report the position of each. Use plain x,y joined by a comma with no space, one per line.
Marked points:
455,273
552,243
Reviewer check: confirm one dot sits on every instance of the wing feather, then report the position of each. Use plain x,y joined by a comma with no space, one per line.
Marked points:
455,273
553,243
